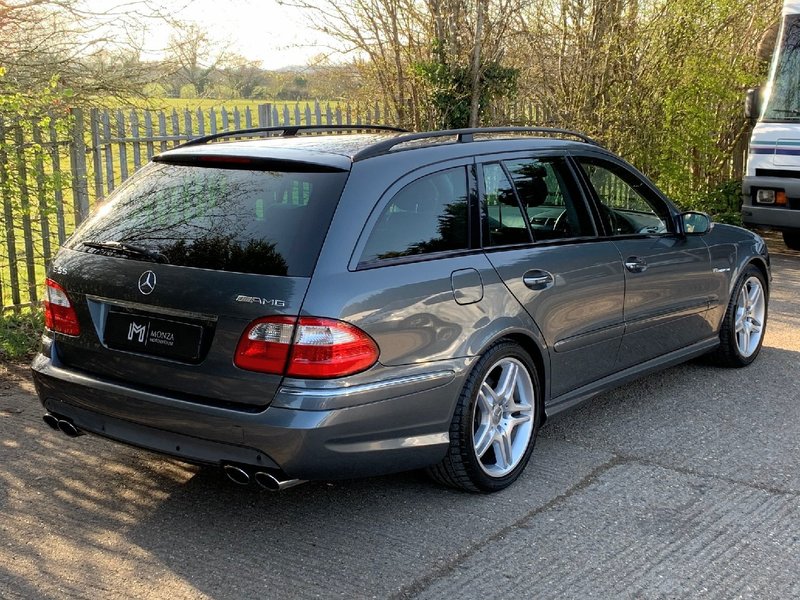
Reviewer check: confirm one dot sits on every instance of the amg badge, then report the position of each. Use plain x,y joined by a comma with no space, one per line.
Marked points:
262,301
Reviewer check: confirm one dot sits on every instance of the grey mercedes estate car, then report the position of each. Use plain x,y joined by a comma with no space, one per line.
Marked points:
317,303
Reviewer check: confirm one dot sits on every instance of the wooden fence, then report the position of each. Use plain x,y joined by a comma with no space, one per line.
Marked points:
54,168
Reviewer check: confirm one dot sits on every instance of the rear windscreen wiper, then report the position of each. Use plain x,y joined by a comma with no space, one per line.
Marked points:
128,249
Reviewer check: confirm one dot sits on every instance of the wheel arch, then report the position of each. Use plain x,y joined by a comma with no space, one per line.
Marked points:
538,356
761,265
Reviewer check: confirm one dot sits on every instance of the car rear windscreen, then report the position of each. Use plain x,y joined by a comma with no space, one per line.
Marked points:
230,219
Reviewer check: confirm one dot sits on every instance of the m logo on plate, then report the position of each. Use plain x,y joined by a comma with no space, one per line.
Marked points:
137,331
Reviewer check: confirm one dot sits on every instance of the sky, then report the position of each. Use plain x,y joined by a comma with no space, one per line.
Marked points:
262,30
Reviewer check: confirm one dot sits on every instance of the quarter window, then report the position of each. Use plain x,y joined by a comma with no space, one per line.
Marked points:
626,205
426,216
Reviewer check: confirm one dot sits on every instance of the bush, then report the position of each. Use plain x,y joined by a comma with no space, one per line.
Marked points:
20,334
723,202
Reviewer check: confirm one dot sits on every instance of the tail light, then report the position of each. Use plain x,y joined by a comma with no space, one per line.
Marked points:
307,347
59,316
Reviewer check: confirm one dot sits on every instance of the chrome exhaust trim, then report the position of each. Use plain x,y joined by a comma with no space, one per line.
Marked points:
270,482
69,429
237,475
51,420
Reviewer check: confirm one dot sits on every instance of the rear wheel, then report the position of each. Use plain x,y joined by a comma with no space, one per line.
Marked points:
745,321
495,424
792,239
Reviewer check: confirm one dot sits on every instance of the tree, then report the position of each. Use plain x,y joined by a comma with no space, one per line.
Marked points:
437,63
659,82
87,52
193,58
243,76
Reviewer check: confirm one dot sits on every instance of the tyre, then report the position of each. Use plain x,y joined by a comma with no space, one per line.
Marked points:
792,239
745,321
495,424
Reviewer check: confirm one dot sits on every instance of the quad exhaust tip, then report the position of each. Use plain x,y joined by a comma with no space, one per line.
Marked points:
51,420
66,427
268,481
237,475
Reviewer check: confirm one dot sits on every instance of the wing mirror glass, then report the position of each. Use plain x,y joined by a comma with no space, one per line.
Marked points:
694,223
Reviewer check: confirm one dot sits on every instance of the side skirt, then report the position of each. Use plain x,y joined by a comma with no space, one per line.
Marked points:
575,397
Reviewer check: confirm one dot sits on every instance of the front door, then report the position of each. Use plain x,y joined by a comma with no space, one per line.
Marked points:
667,279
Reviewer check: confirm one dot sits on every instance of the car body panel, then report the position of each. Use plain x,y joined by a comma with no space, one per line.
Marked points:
666,304
580,313
96,284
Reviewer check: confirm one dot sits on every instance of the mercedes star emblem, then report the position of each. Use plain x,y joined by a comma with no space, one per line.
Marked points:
147,282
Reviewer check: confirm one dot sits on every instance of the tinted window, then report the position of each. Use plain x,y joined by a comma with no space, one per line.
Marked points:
428,215
554,207
507,222
267,222
627,206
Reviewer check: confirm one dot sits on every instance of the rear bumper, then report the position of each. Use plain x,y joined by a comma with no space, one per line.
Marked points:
401,425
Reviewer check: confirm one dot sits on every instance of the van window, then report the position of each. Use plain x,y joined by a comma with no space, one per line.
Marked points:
248,221
784,98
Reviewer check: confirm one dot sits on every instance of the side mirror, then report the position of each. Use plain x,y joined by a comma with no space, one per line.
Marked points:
752,103
694,223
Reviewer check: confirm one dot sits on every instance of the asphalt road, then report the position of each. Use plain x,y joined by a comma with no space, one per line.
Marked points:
682,485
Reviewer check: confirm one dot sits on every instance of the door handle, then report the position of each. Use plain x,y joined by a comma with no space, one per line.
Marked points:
634,264
537,280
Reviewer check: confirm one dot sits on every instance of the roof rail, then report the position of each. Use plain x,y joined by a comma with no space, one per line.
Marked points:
463,136
288,131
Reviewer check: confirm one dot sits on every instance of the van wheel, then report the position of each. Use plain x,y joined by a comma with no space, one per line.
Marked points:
495,424
745,321
792,239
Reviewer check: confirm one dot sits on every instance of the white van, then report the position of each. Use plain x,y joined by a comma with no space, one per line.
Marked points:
771,187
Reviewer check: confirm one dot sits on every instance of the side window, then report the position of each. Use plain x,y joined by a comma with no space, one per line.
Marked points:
553,206
506,221
428,215
626,205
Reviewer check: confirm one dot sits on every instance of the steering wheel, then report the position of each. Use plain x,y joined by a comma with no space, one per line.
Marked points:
561,223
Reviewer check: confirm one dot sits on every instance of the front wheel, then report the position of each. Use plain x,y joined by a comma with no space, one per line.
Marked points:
745,321
495,423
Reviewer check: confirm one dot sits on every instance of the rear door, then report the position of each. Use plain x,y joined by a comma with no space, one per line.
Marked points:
667,275
166,277
542,241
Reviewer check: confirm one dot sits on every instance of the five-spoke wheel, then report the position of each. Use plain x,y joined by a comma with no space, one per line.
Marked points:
495,422
745,322
503,417
751,310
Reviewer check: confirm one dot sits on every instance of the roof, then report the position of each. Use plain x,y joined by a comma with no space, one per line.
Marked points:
340,146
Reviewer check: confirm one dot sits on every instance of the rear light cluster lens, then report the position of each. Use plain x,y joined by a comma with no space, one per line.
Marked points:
59,315
307,347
